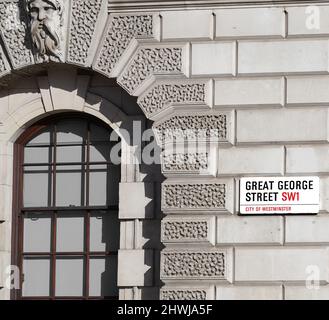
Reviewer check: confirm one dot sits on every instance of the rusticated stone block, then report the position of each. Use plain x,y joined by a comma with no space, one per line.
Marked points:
187,293
249,22
185,162
249,292
181,24
164,95
13,30
182,196
84,17
262,57
120,31
193,229
193,196
201,264
197,159
194,127
286,263
149,60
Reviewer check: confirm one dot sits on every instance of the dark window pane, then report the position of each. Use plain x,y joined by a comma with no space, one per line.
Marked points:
99,188
36,277
37,232
37,187
38,155
71,131
70,186
70,154
104,231
69,276
100,153
98,133
103,277
104,185
44,138
70,232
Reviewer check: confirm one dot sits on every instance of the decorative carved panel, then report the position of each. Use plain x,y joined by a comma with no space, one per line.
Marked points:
120,31
13,26
201,127
184,162
193,196
183,294
182,229
84,17
162,60
164,95
194,264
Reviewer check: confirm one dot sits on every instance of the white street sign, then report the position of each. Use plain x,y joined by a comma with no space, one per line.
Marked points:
279,195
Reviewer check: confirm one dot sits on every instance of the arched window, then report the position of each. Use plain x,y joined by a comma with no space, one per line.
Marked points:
66,227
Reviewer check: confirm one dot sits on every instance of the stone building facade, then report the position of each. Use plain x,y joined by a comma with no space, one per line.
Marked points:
247,81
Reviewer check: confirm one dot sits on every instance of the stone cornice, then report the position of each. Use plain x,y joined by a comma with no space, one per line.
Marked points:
122,5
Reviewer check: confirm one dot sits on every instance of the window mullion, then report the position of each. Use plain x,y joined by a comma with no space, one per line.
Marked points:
54,220
87,254
54,164
53,255
87,225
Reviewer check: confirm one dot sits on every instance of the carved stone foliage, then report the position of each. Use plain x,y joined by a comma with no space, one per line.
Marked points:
150,60
120,31
193,265
184,162
192,127
46,21
83,23
193,196
163,95
183,294
13,31
175,230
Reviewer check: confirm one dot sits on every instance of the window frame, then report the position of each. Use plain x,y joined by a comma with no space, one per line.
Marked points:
17,252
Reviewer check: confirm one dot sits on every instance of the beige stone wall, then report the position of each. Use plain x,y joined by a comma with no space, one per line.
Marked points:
255,79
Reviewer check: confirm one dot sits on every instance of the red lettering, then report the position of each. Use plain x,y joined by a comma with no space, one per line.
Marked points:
290,196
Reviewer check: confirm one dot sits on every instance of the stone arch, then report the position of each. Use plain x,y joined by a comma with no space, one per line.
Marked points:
53,99
123,46
63,89
129,47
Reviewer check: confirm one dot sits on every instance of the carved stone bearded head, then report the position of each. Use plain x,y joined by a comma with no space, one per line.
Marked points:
46,20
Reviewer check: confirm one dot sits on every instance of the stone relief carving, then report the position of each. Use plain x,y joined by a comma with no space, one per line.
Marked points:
83,23
120,31
185,230
13,31
184,162
165,94
148,61
192,127
193,264
183,294
46,23
193,196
